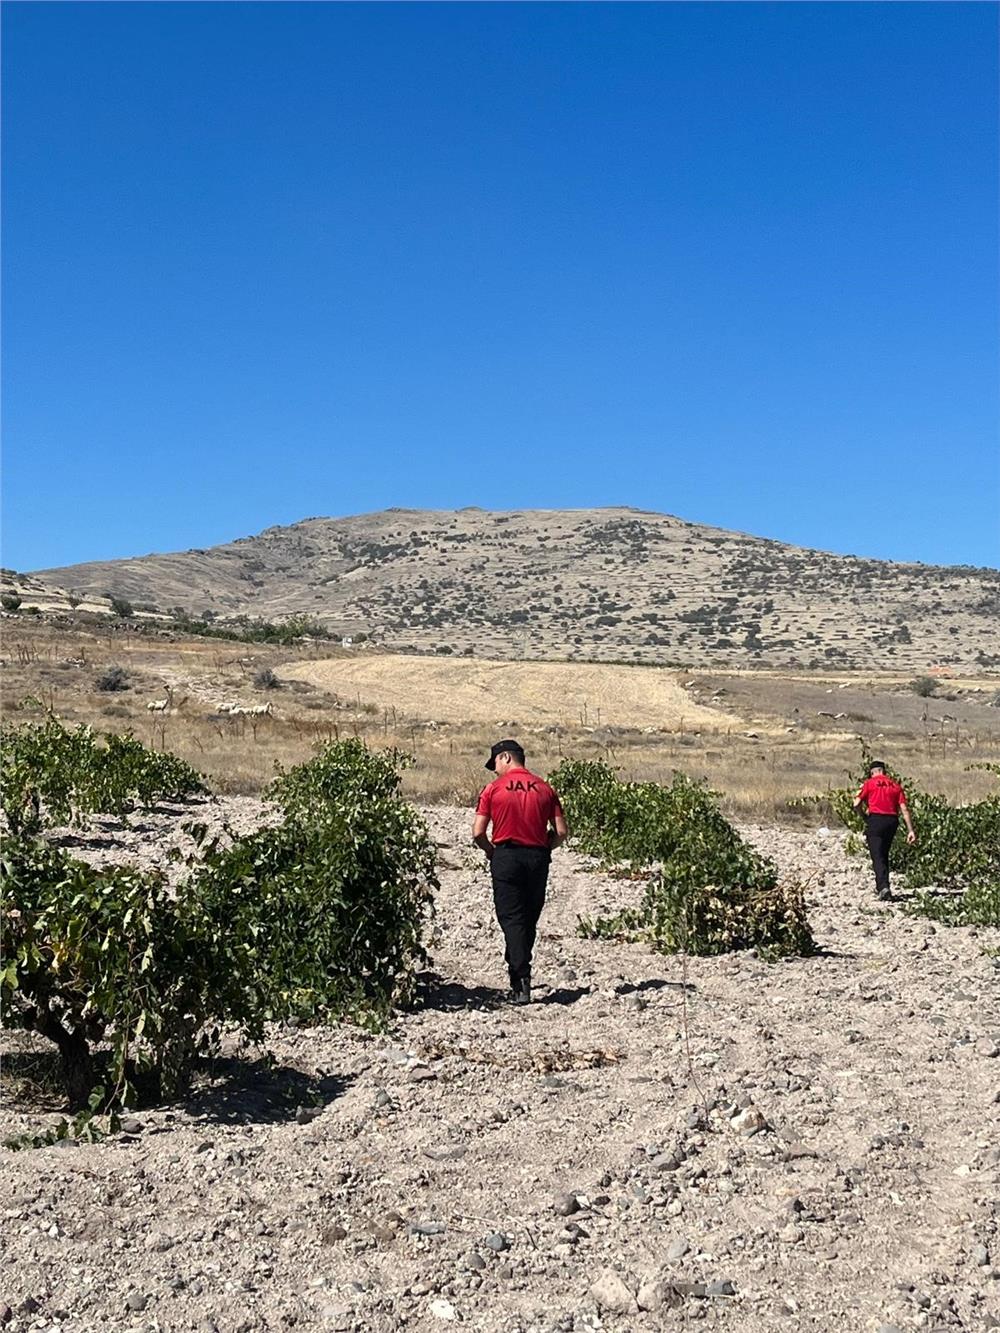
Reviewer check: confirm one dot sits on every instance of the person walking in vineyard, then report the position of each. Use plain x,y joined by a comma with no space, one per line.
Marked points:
528,825
882,800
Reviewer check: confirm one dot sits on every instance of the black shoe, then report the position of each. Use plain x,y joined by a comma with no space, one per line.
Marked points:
521,991
883,895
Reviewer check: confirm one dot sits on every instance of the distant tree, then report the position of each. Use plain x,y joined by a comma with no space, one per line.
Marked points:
925,686
116,678
121,608
265,679
10,601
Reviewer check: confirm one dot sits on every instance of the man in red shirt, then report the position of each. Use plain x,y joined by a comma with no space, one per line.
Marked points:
528,825
884,801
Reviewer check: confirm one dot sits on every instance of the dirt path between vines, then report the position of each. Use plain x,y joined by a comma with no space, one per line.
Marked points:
553,1168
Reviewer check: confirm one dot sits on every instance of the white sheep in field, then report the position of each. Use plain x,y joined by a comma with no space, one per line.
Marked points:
158,705
247,710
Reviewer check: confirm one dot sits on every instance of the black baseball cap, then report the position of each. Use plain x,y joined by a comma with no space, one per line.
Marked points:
504,747
877,763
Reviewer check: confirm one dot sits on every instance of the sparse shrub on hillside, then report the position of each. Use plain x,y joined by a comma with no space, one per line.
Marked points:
114,679
265,679
925,686
956,857
10,601
122,608
244,630
709,891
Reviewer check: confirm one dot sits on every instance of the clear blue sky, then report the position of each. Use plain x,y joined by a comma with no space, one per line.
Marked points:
735,262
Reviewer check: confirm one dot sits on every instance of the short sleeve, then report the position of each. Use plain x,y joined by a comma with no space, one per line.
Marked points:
863,793
901,796
557,810
484,806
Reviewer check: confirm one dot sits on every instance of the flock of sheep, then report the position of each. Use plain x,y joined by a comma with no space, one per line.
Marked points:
233,710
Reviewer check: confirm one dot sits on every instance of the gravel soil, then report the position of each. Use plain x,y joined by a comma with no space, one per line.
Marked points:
813,1144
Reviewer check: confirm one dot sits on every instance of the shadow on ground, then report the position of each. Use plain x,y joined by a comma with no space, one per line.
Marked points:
561,995
226,1090
652,983
452,996
242,1092
449,996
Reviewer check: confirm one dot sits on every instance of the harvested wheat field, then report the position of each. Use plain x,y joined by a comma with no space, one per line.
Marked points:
724,1144
558,693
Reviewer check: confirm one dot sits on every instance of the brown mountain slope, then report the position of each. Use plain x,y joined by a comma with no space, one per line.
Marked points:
601,584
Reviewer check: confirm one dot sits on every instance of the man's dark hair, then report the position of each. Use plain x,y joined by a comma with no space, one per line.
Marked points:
508,746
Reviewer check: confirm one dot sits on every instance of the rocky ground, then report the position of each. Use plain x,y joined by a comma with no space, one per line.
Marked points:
809,1145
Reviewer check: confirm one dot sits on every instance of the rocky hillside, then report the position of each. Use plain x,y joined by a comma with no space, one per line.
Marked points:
602,583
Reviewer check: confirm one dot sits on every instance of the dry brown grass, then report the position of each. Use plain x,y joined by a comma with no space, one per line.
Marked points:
567,694
48,667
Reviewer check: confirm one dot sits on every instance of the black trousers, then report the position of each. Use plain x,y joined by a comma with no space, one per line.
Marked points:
879,833
520,875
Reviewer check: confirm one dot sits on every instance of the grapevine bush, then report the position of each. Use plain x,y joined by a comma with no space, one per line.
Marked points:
109,958
320,915
708,892
957,850
54,772
341,888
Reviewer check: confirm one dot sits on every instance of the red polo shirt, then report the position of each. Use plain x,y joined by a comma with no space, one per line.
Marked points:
883,795
521,806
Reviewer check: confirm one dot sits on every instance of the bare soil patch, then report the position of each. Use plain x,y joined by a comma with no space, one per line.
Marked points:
487,1166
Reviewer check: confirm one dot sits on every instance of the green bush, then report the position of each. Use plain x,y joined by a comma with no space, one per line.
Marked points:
10,601
365,885
65,774
108,956
925,686
957,850
708,891
320,916
244,630
113,680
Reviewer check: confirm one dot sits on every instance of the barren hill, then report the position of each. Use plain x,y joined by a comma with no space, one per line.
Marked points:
600,584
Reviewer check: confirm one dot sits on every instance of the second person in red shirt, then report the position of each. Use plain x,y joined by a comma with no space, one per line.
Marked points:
883,801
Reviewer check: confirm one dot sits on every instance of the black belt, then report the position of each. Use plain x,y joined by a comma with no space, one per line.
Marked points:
509,842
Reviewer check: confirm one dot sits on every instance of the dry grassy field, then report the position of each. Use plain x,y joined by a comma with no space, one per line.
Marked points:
564,694
580,1164
762,739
